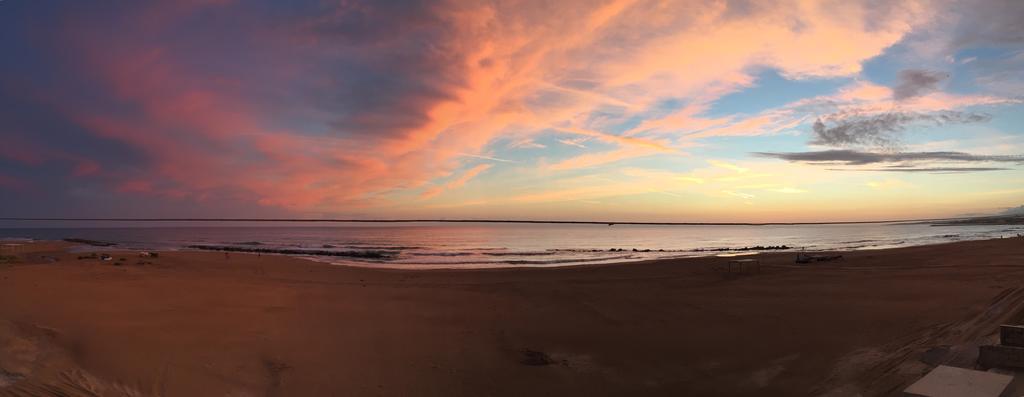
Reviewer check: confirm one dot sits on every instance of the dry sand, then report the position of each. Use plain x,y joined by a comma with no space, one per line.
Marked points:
197,324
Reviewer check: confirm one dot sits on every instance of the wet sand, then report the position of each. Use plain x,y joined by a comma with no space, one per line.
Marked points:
199,324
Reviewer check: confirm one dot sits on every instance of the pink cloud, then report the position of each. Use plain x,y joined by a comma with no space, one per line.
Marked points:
135,186
86,167
290,128
18,148
13,183
21,151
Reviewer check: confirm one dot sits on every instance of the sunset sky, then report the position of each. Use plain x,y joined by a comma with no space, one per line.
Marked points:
608,110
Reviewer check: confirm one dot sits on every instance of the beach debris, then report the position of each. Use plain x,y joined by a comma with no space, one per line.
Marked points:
90,256
94,243
9,378
536,358
147,254
105,257
275,370
808,258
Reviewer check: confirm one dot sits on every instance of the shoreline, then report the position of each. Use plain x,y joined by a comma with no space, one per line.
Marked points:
569,222
484,246
200,323
323,256
68,248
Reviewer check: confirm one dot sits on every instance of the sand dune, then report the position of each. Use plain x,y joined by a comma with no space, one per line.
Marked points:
198,324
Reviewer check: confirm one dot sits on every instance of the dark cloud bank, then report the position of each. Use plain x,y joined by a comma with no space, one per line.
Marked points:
854,158
937,170
857,158
878,136
882,130
917,82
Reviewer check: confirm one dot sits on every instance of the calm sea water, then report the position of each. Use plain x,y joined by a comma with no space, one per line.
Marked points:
509,245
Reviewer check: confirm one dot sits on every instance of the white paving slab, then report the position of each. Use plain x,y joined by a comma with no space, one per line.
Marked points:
945,381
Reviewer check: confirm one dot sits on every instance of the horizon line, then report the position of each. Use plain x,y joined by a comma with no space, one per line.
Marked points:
575,222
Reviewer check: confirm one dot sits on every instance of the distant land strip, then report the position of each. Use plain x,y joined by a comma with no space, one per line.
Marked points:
475,221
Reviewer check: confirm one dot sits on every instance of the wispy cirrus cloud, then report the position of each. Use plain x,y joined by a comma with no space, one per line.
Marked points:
574,142
457,182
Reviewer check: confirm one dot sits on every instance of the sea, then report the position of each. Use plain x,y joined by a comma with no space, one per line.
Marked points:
494,245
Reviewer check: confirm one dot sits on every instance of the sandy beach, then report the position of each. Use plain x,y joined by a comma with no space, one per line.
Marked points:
204,324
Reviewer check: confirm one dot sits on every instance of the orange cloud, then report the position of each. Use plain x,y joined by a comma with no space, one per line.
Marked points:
457,182
328,119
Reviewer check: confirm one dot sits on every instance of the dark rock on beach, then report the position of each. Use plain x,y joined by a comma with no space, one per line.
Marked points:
94,243
291,251
754,248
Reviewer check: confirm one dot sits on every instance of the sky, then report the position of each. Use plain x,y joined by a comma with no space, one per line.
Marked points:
627,110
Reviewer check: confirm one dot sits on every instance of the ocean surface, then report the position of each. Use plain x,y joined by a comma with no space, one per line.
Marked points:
471,245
